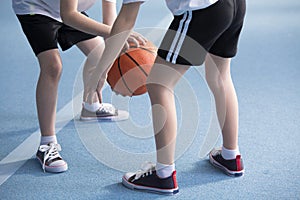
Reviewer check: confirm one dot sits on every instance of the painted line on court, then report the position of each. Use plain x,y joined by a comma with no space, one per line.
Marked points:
27,149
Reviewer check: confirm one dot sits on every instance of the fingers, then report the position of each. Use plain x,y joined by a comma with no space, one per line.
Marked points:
135,40
138,39
141,39
125,47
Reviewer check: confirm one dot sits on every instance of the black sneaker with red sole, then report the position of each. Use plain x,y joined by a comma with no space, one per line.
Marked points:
234,167
147,180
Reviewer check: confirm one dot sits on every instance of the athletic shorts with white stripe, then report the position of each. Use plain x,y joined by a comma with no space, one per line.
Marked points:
214,29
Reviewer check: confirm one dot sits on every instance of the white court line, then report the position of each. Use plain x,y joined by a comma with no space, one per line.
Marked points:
27,149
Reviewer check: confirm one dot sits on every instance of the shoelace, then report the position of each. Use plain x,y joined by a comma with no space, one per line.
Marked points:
217,151
107,108
50,152
146,169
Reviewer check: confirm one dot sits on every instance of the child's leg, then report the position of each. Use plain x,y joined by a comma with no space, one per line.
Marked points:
46,98
41,32
219,80
93,49
161,82
218,77
93,107
46,91
162,176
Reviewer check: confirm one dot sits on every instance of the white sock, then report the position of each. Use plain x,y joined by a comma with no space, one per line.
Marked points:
229,154
164,171
48,139
91,107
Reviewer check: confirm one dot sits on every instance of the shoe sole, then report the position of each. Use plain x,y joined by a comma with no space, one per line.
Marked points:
224,169
149,189
56,169
122,115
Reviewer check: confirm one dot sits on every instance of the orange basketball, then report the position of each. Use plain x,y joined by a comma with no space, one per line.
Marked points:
130,70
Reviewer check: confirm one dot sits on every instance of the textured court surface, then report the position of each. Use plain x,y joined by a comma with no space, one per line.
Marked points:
266,74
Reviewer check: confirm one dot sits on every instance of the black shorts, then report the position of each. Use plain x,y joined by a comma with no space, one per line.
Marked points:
43,33
214,29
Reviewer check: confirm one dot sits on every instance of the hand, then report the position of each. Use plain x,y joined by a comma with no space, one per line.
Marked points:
135,39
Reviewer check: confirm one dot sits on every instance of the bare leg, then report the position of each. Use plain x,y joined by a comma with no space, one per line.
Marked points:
219,80
93,49
161,82
46,91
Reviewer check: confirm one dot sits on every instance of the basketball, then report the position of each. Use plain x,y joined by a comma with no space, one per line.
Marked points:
130,70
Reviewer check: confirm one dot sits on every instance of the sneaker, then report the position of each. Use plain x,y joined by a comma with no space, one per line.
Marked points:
147,180
50,159
106,111
234,167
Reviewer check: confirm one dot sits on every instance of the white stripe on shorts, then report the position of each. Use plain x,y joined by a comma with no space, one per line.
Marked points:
176,38
183,34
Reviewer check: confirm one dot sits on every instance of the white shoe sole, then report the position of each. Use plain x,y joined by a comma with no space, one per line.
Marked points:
122,115
149,189
55,169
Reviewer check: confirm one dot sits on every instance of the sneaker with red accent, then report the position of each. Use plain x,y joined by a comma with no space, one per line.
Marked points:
234,167
50,159
146,179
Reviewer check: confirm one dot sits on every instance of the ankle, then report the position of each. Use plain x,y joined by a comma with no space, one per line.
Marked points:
48,139
91,107
229,154
163,170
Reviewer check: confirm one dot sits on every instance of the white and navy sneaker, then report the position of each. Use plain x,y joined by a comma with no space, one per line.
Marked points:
234,167
147,180
50,159
105,112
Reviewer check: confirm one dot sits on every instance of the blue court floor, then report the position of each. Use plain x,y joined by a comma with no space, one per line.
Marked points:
266,76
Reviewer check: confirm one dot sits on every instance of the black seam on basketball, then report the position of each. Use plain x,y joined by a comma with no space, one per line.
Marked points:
119,67
137,64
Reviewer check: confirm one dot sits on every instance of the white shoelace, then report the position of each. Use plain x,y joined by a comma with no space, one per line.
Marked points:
107,108
146,169
50,152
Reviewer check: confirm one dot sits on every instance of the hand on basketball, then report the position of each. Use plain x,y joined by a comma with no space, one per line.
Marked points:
135,39
128,73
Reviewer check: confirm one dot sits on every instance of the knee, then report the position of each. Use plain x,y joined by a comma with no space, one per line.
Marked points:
212,80
157,91
155,87
52,70
215,82
217,71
